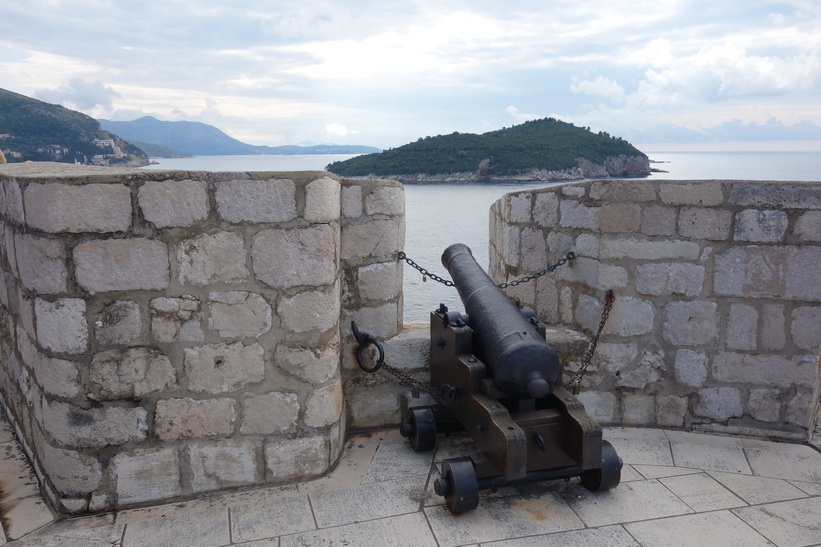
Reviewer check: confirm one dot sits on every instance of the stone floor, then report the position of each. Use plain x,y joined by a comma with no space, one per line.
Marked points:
677,489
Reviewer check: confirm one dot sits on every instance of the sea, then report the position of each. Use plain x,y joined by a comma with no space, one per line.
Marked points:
440,214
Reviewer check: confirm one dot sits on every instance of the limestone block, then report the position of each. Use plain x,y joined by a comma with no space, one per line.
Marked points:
291,459
410,349
269,413
764,404
690,367
573,214
629,317
121,265
805,327
620,217
382,321
690,323
670,278
671,411
119,323
134,372
613,357
511,237
41,263
145,475
256,200
375,239
638,409
351,201
174,202
799,410
324,406
777,195
766,370
546,209
587,245
625,191
706,194
55,207
742,327
658,221
802,281
374,406
309,364
573,190
650,368
534,250
61,325
217,368
13,202
212,258
292,257
239,313
385,200
72,473
601,405
190,418
808,227
310,311
223,465
760,226
712,224
322,200
73,426
516,208
752,271
176,319
773,327
719,403
380,281
56,376
641,249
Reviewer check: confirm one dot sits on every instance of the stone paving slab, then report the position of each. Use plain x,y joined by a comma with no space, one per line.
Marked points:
714,529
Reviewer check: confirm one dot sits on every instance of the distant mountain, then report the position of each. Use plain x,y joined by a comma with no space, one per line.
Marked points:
32,130
546,149
199,139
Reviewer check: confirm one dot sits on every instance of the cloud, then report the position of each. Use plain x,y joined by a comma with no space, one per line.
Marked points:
81,95
338,130
520,117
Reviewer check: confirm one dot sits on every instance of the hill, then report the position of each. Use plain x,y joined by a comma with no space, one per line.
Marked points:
32,130
546,149
200,139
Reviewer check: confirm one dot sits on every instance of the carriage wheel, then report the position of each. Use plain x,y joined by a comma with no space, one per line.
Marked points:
609,475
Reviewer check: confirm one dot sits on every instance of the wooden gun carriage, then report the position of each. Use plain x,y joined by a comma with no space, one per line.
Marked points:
501,383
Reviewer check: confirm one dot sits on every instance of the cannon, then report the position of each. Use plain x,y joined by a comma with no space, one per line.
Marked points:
501,382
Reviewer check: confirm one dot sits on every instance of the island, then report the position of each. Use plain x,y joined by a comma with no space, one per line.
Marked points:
540,150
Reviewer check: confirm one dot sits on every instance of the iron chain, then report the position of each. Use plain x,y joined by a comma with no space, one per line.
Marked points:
576,379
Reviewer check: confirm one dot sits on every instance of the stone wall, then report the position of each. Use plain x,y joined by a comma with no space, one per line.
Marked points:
165,334
717,318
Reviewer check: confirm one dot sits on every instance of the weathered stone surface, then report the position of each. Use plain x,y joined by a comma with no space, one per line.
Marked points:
385,200
374,406
61,325
190,418
649,250
773,327
145,475
702,193
671,411
56,376
801,282
509,249
601,405
13,201
799,410
380,238
620,218
296,458
719,403
516,207
55,207
668,279
573,190
310,311
176,319
765,370
269,413
805,327
324,406
638,409
384,321
650,369
351,201
71,473
690,323
764,404
134,372
742,327
410,349
629,317
659,221
534,250
760,226
223,465
239,313
291,257
380,281
546,209
752,271
691,367
309,364
713,224
121,265
322,200
808,226
256,200
174,202
775,195
41,263
119,323
212,258
573,214
70,425
217,368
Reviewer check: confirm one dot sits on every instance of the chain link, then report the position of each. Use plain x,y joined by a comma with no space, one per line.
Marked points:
576,380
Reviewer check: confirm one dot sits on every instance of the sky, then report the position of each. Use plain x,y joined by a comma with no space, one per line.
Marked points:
665,74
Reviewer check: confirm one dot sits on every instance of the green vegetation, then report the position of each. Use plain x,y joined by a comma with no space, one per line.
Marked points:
540,144
32,130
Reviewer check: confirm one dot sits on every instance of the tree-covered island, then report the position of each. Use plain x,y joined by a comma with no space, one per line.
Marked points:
538,150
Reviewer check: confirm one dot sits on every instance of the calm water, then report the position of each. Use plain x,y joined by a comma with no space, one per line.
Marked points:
438,215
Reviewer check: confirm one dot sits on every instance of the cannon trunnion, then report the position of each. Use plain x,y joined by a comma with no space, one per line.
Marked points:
501,383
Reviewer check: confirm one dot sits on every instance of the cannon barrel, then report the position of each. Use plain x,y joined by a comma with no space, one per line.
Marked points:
518,358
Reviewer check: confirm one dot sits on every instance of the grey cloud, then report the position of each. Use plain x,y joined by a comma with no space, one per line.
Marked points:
80,94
